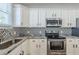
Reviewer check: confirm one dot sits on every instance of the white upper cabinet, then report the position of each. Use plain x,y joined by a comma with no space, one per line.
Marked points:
49,12
37,17
33,17
69,17
53,12
65,18
20,16
42,17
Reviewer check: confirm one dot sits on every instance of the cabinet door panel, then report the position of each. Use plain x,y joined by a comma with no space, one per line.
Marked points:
72,17
42,17
17,15
77,47
49,13
24,16
65,19
34,50
70,46
20,15
43,46
33,17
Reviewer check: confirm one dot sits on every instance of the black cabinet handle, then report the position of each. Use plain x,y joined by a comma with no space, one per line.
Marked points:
76,45
73,45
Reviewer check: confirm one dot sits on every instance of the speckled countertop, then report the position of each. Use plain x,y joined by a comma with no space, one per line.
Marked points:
72,37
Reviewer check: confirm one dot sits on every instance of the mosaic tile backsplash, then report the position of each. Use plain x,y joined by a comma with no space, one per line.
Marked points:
36,31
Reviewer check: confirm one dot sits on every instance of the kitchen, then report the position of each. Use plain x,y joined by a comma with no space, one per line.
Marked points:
39,29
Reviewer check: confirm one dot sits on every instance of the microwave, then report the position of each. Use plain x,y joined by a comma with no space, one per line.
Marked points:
53,22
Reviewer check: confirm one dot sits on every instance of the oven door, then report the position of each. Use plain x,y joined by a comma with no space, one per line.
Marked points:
57,45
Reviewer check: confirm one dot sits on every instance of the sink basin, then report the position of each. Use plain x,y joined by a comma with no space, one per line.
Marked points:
0,40
6,45
17,40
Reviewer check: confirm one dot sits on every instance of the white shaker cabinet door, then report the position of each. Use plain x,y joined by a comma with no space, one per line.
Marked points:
20,15
34,48
24,16
65,18
43,46
33,17
69,17
17,15
42,17
76,46
49,12
70,47
72,17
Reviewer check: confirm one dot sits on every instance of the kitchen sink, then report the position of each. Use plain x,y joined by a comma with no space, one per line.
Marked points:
17,40
0,40
6,45
9,43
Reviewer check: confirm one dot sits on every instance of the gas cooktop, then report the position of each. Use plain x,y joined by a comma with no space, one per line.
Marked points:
60,37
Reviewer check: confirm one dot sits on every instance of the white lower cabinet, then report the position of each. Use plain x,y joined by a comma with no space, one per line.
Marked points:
38,46
43,46
77,47
72,46
34,50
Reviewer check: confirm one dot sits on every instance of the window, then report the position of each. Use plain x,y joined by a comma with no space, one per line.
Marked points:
5,14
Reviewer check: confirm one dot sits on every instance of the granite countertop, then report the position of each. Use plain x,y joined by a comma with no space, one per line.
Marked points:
72,37
36,37
33,37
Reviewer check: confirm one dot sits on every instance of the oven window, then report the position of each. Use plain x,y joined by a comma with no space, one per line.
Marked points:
57,45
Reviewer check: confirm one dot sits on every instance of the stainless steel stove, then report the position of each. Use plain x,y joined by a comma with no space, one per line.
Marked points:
56,44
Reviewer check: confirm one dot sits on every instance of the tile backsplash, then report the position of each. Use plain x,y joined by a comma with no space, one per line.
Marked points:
62,31
37,31
33,31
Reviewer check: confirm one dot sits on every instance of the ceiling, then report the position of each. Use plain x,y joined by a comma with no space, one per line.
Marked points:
76,5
